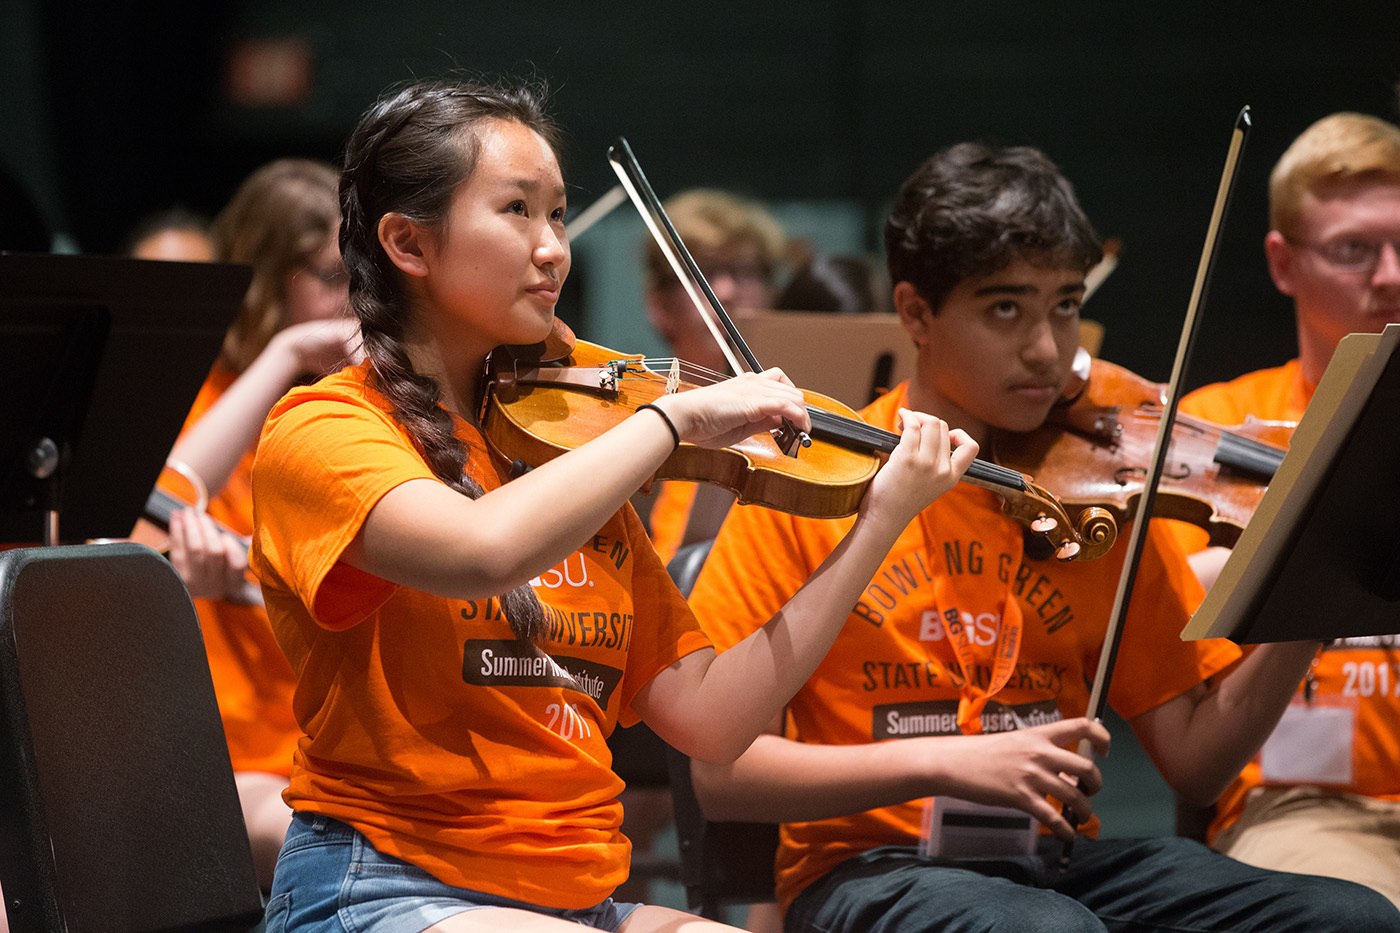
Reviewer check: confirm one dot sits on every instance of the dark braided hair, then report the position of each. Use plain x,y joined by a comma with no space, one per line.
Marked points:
972,210
408,154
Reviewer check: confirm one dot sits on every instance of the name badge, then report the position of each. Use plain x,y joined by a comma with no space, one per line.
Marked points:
957,829
1310,745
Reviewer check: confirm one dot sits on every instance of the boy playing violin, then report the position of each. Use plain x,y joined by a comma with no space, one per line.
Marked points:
975,652
1334,248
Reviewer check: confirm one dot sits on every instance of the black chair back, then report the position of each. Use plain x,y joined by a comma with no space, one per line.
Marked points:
119,811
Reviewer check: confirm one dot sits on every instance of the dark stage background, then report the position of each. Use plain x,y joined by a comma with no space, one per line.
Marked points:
117,110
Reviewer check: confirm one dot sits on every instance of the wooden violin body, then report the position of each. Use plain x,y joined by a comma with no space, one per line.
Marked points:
533,420
1094,449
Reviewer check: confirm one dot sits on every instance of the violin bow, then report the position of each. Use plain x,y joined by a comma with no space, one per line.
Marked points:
1098,695
721,325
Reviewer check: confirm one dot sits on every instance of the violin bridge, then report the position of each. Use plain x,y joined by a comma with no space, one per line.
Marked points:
673,377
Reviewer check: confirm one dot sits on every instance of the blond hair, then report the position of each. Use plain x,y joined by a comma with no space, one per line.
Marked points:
711,221
1338,149
280,218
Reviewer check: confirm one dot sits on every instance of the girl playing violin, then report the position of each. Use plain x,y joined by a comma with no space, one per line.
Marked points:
464,645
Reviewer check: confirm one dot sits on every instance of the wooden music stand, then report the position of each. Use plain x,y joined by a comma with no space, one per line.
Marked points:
854,358
100,360
1320,559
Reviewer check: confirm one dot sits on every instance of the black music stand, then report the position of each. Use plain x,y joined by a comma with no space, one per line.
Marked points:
100,360
1320,559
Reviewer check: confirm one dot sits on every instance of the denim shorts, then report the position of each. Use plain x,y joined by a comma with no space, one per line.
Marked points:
329,879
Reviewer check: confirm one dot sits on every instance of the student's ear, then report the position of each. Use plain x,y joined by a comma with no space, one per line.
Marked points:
1281,258
914,312
403,242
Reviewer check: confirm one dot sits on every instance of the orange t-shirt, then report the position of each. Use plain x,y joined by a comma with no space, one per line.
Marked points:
670,514
252,679
893,672
1361,675
428,726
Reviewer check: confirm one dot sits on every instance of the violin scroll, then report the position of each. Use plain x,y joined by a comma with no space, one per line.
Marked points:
1088,536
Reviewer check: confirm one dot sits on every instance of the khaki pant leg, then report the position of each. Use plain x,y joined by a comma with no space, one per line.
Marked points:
1319,832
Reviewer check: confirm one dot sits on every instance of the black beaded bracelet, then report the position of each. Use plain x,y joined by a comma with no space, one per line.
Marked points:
675,435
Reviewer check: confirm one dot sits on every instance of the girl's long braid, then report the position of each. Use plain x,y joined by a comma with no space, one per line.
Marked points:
413,396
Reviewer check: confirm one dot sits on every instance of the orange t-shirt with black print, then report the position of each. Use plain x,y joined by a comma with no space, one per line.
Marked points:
252,679
1354,698
427,725
919,653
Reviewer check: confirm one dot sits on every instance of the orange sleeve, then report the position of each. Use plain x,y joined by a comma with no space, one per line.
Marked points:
1155,665
321,466
667,627
730,600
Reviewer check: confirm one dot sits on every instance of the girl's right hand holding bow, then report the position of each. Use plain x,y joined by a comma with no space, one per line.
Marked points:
726,412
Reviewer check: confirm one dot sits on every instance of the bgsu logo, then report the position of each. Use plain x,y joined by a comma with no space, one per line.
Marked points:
981,629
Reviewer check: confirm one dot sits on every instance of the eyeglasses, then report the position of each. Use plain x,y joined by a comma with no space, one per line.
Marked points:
1351,254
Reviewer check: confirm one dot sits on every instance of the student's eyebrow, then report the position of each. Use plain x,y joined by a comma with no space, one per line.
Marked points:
531,185
998,288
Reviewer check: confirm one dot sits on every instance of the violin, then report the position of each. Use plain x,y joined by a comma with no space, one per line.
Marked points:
1096,444
544,400
153,530
160,505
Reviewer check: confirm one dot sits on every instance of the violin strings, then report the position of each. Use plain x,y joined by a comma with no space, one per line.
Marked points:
1231,448
836,428
1213,431
832,427
694,374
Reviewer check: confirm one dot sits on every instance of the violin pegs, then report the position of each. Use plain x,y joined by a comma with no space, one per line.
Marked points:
1069,550
1044,524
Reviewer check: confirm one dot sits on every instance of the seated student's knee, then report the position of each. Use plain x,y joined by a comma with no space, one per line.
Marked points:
914,897
1038,912
1284,901
1333,904
1047,913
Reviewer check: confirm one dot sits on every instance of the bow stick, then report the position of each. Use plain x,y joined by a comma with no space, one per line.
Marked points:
1098,695
721,326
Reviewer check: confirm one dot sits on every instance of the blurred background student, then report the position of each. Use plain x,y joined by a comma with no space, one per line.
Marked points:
742,252
293,324
176,234
841,283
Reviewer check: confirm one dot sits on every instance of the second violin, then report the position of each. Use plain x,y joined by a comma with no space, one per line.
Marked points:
1095,448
